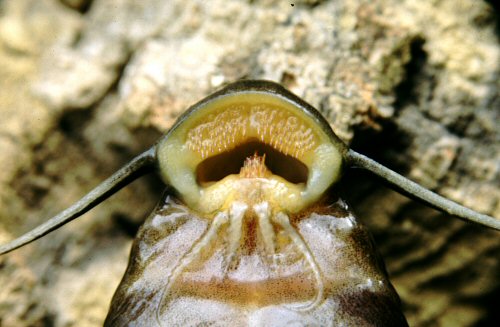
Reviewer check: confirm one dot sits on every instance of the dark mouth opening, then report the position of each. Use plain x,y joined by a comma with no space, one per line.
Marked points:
215,168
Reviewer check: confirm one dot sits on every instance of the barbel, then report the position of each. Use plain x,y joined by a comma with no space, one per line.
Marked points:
252,233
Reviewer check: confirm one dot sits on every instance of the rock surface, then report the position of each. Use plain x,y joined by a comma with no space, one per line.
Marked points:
86,85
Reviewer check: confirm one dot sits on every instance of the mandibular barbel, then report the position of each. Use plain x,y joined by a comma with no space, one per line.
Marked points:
250,233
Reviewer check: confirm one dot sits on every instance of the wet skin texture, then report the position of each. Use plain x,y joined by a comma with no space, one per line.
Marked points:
255,289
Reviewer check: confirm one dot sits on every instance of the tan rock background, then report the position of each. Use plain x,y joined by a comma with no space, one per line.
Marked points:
85,85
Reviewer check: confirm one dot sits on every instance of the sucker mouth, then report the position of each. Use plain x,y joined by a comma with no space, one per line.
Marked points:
203,156
215,168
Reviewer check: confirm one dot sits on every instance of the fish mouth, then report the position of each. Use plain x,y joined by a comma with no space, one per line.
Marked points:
248,163
212,144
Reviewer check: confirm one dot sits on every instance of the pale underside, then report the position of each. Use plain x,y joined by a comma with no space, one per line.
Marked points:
255,269
259,247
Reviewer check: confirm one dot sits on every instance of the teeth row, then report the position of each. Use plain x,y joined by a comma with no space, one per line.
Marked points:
217,133
224,131
287,136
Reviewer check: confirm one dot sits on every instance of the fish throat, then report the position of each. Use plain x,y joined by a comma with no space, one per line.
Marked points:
252,227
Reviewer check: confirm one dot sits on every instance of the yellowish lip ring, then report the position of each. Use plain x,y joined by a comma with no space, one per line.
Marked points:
177,163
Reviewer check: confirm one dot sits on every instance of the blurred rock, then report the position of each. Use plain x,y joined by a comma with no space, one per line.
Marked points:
86,85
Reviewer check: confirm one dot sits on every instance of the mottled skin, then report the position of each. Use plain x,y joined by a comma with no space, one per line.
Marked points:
255,290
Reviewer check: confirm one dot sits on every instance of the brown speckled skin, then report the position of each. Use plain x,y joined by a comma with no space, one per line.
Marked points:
357,289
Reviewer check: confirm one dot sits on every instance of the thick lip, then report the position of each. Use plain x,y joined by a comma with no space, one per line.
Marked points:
316,151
